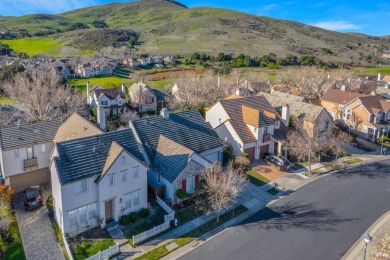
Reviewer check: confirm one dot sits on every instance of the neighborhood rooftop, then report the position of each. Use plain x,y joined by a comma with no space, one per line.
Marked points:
186,128
86,157
111,93
12,137
340,97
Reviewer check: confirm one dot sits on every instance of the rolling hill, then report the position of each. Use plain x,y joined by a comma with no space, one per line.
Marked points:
165,27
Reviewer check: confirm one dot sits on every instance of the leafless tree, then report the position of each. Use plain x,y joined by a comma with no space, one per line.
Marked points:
67,52
382,250
338,141
44,95
128,116
241,162
304,141
223,187
111,52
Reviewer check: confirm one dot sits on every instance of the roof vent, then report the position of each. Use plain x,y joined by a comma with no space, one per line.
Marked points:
94,149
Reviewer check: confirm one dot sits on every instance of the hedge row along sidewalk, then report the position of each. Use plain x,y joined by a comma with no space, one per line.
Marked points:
162,251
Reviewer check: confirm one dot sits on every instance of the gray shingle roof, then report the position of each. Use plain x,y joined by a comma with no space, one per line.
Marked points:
186,128
84,158
234,109
12,137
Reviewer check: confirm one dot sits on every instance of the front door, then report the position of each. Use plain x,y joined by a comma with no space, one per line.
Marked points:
30,153
108,210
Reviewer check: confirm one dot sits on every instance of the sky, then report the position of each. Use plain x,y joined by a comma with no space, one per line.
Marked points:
362,16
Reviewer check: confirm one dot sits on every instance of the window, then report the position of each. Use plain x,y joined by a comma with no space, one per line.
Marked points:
92,211
135,196
190,184
219,120
30,153
119,102
128,200
83,214
73,217
255,129
124,175
103,103
16,153
43,148
265,130
80,187
348,113
136,172
111,178
132,199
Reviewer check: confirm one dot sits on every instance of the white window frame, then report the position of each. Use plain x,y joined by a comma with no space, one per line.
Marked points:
348,113
124,175
111,179
16,153
78,187
75,222
82,212
135,172
43,148
132,199
92,208
190,184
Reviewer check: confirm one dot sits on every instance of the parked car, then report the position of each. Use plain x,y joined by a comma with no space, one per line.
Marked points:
33,197
281,163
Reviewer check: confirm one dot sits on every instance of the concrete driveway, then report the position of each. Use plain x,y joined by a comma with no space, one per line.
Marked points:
39,240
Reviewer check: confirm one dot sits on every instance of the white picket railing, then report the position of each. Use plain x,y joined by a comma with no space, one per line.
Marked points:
165,206
151,232
169,217
105,254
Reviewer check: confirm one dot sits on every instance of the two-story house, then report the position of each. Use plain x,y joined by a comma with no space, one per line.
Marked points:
249,124
147,99
25,153
111,99
96,179
178,147
316,119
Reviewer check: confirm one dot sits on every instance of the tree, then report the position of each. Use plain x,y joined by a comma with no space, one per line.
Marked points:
304,141
338,141
5,208
99,24
241,162
128,116
43,94
67,52
8,72
382,251
223,187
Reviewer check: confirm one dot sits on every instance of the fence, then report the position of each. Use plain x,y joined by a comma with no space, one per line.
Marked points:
105,254
67,247
151,232
165,206
169,217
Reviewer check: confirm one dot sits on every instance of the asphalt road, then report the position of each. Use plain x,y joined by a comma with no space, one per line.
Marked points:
322,220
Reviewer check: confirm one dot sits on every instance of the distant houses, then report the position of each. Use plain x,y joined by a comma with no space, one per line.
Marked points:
152,61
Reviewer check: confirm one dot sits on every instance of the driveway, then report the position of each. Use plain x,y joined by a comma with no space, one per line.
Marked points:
322,220
269,171
39,240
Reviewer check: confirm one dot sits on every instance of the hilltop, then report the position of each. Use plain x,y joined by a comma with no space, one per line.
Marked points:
164,27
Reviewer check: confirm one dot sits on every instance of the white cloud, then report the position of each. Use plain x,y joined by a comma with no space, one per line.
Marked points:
269,7
337,25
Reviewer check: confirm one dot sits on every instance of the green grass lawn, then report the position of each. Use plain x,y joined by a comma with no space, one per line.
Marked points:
34,46
93,249
6,101
15,249
104,82
256,178
161,251
372,71
353,160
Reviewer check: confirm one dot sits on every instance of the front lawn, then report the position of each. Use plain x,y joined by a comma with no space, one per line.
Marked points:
161,251
6,101
13,247
353,160
88,249
256,178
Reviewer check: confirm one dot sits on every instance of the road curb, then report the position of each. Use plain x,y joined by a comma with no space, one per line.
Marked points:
359,245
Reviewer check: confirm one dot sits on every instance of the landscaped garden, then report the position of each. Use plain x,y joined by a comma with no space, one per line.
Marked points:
256,178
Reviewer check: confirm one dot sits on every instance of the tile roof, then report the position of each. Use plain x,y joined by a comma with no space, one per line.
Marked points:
171,158
113,154
12,137
340,97
186,128
233,96
76,127
375,104
111,93
86,157
234,108
285,97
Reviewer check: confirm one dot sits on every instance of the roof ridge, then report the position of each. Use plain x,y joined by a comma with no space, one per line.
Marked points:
113,153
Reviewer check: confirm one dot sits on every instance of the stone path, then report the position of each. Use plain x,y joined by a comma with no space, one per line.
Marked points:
119,239
39,240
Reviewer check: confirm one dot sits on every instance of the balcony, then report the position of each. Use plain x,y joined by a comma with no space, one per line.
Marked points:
266,138
30,164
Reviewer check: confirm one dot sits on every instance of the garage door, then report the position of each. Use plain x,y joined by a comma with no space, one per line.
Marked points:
22,181
263,149
251,153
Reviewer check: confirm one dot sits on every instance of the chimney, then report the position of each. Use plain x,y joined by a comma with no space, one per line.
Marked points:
272,89
285,114
123,88
239,92
219,81
373,93
88,90
164,113
343,87
379,77
101,118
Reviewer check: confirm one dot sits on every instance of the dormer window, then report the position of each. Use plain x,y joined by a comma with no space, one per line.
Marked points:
103,103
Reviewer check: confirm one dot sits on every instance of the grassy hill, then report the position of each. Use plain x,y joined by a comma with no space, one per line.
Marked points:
168,28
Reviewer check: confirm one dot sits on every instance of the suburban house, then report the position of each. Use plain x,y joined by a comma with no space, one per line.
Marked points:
111,99
96,179
25,153
315,118
249,124
147,99
178,147
368,116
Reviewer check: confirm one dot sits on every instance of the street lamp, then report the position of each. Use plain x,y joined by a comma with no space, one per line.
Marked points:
367,240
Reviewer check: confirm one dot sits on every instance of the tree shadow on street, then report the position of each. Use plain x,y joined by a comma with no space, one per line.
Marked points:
372,171
295,215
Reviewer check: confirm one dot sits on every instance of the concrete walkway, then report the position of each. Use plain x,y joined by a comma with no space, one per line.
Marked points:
39,240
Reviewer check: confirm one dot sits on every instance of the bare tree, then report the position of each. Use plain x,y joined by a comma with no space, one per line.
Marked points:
305,140
241,162
382,251
44,95
128,116
223,187
67,52
338,141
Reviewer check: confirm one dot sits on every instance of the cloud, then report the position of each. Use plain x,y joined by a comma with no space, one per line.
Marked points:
269,7
337,25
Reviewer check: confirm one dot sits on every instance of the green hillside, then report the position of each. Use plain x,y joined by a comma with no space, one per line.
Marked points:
164,27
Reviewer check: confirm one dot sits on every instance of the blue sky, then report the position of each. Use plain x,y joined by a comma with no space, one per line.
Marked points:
370,17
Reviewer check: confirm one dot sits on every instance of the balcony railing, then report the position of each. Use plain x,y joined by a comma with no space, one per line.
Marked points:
30,164
266,138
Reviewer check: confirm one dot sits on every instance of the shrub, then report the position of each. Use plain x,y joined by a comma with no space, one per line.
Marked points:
345,154
203,183
124,220
49,203
143,213
133,217
244,154
180,194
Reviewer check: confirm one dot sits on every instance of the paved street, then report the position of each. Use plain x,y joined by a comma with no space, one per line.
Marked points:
322,220
38,237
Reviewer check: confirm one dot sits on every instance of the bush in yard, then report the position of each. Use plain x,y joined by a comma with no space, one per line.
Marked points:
124,220
244,154
383,139
143,213
180,194
133,217
345,154
49,203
